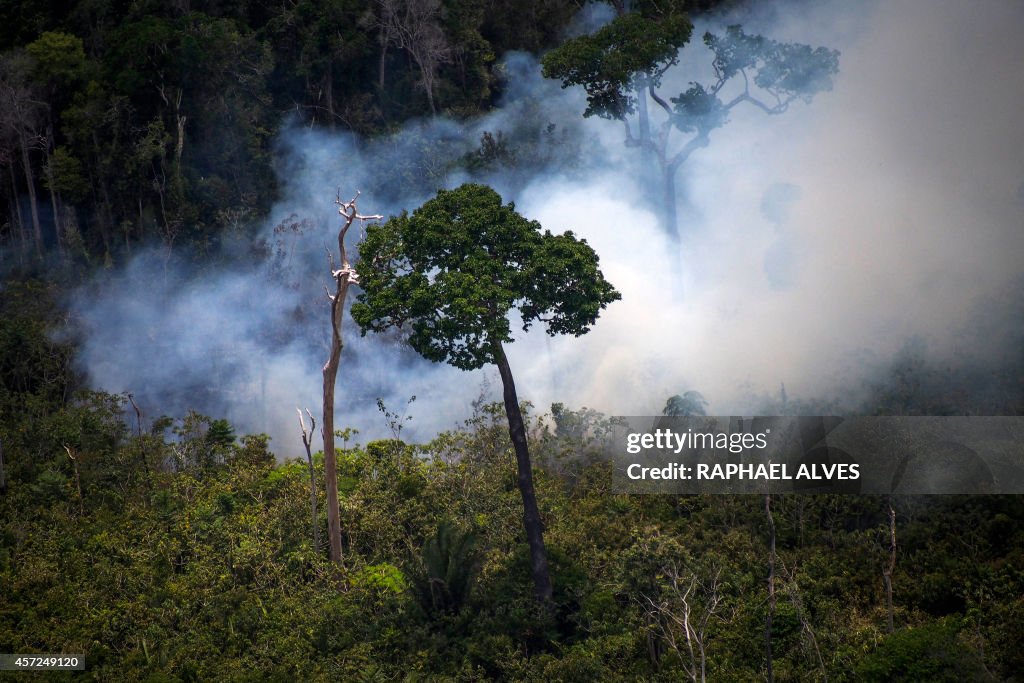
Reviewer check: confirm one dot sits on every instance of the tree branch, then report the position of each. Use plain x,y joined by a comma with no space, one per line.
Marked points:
657,98
747,97
699,141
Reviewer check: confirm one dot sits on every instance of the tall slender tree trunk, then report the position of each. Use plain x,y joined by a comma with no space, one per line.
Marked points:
382,63
78,481
16,216
307,438
312,501
643,118
54,199
329,94
143,461
343,277
26,164
427,74
531,514
179,144
330,373
671,219
888,569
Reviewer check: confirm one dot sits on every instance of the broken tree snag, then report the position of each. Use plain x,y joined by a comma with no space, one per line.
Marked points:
890,567
138,414
343,276
138,439
78,480
307,438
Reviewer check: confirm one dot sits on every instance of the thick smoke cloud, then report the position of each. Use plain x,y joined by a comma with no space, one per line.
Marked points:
814,243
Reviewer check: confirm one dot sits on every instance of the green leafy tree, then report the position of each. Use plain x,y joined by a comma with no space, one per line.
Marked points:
452,272
21,120
220,434
324,61
621,67
928,653
443,578
690,404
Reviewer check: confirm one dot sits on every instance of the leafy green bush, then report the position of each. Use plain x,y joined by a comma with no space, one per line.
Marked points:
931,652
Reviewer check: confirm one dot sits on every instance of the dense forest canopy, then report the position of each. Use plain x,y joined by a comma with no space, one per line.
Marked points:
131,122
167,172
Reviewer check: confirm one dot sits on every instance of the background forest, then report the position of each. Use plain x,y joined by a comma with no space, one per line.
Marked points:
155,512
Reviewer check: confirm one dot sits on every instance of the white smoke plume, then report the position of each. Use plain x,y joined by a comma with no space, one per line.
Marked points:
814,244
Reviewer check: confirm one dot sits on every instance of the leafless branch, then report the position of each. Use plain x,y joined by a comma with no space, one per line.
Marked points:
657,98
681,616
307,439
805,626
78,480
138,414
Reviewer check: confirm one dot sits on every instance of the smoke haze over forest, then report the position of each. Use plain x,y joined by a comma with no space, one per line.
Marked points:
815,244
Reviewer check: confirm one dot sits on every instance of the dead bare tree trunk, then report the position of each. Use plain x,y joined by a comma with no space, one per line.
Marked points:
307,437
78,481
138,437
806,630
771,585
888,569
690,606
343,277
179,120
19,122
414,26
138,415
26,165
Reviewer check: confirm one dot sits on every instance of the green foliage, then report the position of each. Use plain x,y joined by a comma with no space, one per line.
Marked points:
254,449
455,268
59,58
636,48
530,25
526,147
50,486
927,653
698,111
579,425
220,434
621,66
690,404
633,50
35,370
209,573
443,577
385,577
188,556
68,175
165,117
786,70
